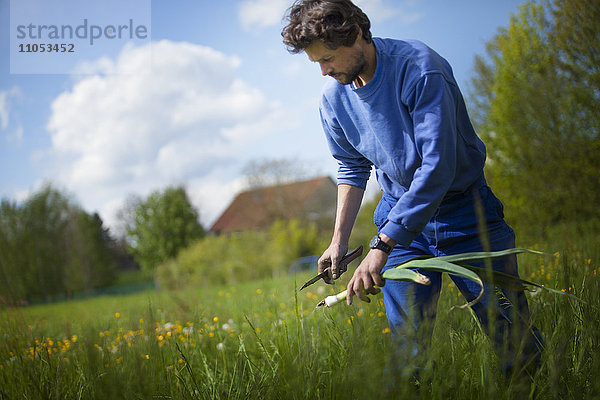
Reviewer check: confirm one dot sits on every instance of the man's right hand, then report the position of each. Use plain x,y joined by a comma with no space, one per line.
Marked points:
348,204
331,258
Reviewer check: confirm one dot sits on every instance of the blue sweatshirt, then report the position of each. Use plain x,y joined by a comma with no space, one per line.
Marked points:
409,122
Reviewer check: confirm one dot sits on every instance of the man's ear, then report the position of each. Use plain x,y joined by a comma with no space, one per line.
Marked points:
359,36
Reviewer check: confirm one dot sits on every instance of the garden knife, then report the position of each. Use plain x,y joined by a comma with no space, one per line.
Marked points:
342,266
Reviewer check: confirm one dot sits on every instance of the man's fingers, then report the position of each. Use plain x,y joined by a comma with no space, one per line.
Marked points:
330,260
379,281
322,265
356,288
353,289
349,294
373,290
334,267
366,278
358,293
363,296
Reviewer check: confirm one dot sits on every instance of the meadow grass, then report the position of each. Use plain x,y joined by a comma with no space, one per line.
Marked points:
263,339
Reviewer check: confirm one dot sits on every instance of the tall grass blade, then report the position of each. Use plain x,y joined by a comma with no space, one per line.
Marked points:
188,367
268,356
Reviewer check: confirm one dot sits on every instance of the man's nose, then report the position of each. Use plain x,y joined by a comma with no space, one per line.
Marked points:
325,69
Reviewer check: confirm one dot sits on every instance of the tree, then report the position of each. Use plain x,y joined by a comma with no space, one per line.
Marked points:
12,286
577,37
44,217
49,246
90,261
534,107
159,226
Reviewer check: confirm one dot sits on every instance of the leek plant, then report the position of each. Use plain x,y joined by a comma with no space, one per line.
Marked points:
456,264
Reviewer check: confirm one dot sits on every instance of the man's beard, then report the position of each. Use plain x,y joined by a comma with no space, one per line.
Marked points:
346,78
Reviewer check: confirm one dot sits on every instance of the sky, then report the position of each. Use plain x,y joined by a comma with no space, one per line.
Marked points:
206,89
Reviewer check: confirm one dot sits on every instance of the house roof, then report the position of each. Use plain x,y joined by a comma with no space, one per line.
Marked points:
259,208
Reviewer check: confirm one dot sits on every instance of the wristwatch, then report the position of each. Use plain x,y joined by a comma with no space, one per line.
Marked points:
377,243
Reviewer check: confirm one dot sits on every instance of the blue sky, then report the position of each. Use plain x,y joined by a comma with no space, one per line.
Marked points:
211,89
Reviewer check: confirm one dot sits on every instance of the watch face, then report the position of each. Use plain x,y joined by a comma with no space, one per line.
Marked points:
374,242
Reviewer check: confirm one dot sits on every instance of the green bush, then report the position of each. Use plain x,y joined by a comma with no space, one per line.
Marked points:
238,257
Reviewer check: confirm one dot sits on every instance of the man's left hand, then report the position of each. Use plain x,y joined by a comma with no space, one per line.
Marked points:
366,276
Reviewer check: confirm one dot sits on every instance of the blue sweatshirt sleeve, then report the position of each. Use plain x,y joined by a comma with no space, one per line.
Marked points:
432,106
353,168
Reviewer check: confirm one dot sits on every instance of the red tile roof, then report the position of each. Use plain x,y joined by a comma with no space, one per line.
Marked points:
259,208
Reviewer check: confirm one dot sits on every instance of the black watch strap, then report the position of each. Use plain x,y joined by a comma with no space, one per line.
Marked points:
377,243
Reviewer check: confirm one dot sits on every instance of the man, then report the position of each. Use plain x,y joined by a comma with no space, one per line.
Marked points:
395,106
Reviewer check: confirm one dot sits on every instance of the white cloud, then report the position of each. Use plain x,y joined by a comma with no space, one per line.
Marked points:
186,120
9,121
4,109
262,13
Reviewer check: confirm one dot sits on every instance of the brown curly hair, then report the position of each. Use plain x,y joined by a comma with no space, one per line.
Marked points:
334,22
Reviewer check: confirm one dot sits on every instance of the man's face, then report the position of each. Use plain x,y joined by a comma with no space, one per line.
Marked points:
344,63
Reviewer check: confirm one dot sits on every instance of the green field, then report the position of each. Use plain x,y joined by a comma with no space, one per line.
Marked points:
264,340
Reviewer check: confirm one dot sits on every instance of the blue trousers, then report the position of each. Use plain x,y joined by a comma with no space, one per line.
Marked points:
411,307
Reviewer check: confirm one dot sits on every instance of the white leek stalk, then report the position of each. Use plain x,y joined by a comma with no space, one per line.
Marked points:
330,301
